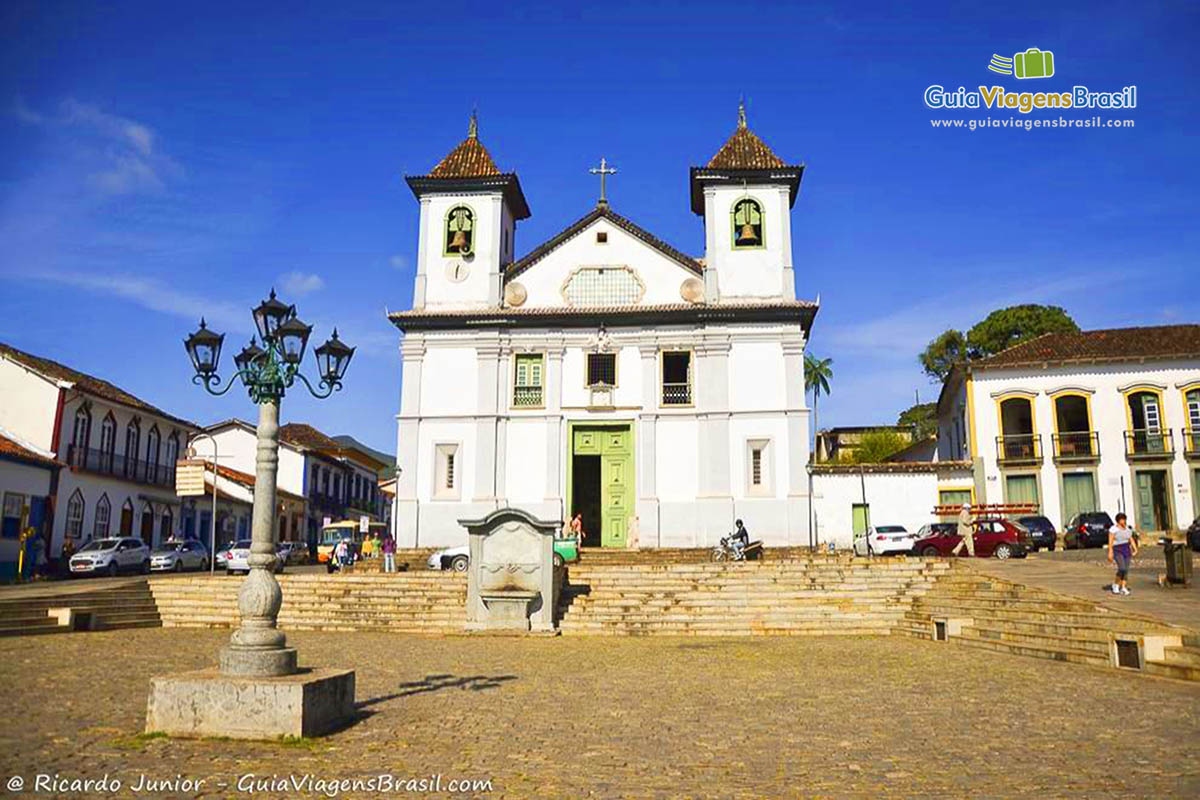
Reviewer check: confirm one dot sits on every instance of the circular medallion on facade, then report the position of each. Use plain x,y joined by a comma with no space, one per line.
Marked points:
692,290
515,294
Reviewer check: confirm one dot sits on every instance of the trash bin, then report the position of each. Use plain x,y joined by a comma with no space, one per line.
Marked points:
1179,561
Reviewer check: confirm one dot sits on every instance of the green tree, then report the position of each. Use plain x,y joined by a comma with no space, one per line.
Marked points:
817,374
1000,330
877,445
923,417
943,353
1006,327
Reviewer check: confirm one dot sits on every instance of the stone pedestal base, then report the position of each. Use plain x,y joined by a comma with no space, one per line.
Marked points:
250,663
209,703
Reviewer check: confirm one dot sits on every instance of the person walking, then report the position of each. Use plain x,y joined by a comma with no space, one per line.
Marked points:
388,546
1122,547
965,532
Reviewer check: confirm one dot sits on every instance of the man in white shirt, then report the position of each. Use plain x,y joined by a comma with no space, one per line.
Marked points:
965,532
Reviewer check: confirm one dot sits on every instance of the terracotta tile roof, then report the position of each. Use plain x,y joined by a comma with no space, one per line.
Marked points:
16,451
470,159
577,227
744,150
247,480
86,383
303,435
1116,344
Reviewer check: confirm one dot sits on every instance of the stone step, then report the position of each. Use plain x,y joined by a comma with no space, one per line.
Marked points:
1183,672
1055,653
1182,656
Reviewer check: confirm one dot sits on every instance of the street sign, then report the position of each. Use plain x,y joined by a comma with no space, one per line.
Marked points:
189,477
364,524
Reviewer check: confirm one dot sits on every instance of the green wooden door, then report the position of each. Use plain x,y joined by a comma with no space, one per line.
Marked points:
1144,493
616,485
860,519
1022,489
1196,486
1079,493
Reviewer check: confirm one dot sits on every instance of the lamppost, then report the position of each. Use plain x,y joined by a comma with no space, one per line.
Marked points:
258,648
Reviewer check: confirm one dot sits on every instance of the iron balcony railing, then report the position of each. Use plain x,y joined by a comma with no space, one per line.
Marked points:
1076,446
1149,445
1024,448
1191,443
103,462
527,396
676,394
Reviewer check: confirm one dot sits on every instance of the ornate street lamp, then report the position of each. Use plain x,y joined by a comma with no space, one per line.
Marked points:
258,648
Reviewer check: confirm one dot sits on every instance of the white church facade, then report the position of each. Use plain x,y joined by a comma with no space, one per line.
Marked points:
605,372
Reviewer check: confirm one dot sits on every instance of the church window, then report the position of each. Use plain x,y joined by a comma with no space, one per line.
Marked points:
677,378
601,237
460,231
75,515
601,369
759,474
603,286
527,388
446,472
747,224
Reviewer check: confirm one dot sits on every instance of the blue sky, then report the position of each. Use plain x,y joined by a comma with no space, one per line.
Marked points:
163,162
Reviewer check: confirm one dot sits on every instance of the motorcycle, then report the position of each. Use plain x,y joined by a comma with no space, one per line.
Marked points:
730,549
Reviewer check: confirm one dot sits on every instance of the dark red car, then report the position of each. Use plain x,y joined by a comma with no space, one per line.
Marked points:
993,537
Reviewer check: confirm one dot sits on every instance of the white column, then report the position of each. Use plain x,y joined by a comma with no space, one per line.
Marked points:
649,534
712,404
487,369
555,452
406,514
799,510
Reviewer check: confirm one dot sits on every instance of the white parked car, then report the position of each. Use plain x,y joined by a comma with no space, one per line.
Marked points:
456,559
110,557
176,556
237,558
884,539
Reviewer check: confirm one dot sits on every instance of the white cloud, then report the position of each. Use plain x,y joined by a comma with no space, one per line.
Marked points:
158,296
399,262
123,152
301,283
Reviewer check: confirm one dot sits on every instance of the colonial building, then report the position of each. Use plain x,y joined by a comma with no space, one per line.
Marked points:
120,450
28,480
1100,420
334,482
235,506
606,372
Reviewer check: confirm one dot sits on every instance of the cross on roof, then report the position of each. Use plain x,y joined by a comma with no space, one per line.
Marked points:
603,171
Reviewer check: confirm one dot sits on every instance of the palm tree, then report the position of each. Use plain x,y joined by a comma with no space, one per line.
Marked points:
817,372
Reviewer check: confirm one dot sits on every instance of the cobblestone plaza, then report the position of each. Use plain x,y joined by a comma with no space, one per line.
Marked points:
628,717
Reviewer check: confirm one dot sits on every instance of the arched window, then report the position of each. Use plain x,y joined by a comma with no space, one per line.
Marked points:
146,532
133,440
103,517
166,526
75,515
81,436
152,441
127,518
460,231
172,456
747,224
108,441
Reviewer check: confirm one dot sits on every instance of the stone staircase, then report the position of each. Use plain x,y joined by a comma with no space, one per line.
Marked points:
994,614
53,610
789,596
403,602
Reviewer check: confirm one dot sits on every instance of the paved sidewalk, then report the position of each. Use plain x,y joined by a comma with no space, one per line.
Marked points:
583,717
1084,572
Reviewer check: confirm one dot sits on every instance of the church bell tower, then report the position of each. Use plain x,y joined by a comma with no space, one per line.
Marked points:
469,214
745,194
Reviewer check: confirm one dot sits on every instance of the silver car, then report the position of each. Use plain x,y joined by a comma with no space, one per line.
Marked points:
111,557
176,556
237,558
